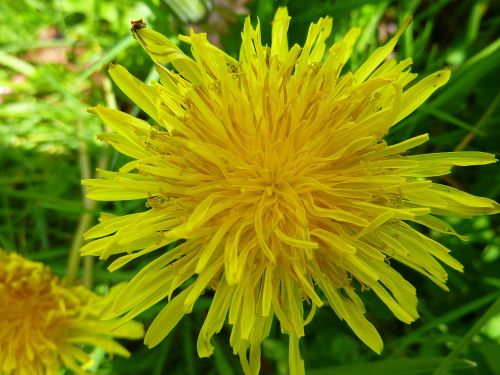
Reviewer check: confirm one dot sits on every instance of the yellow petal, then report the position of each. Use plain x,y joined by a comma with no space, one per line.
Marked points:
418,93
163,51
439,225
215,318
102,342
141,94
461,197
380,54
166,319
461,158
201,284
406,145
279,43
129,132
120,188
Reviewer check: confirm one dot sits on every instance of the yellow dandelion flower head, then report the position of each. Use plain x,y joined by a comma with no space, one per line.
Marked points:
268,181
43,323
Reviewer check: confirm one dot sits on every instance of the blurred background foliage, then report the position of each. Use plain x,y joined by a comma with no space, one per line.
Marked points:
53,58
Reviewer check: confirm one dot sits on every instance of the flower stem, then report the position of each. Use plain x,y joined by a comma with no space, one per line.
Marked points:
83,224
484,118
89,205
462,344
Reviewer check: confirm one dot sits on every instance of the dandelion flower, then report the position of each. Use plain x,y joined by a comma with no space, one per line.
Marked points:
268,182
43,323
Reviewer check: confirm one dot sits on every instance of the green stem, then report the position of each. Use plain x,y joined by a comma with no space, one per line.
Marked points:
484,118
414,336
88,272
86,218
462,344
83,224
74,255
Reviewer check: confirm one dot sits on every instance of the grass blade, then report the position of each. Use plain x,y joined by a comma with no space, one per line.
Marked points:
448,361
402,366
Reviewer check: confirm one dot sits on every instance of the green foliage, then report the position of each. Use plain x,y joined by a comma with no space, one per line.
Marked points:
53,58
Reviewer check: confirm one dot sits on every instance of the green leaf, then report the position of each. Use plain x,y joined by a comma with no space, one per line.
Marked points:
448,362
403,366
221,362
16,64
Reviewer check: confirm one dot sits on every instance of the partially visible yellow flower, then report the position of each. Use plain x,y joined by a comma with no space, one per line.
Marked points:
271,176
44,324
